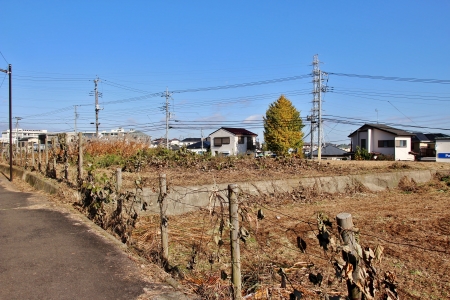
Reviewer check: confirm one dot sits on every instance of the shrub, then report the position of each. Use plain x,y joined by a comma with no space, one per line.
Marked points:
362,154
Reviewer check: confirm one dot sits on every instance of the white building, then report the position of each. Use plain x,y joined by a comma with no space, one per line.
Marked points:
383,139
443,149
20,133
232,141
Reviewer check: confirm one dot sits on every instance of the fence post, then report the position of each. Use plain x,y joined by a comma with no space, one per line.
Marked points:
32,155
20,152
39,156
46,153
80,157
26,155
118,179
234,239
54,167
164,220
345,226
64,144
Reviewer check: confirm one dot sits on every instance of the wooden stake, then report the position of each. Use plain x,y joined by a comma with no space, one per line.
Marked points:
234,239
80,157
345,226
46,153
118,179
164,219
32,155
39,156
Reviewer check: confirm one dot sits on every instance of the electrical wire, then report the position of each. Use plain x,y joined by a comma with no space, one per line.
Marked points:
411,79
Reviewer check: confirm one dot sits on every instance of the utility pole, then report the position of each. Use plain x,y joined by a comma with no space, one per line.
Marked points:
317,103
201,130
167,95
17,132
75,119
9,72
97,107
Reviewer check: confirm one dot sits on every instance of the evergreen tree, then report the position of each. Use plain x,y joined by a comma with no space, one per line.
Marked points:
283,127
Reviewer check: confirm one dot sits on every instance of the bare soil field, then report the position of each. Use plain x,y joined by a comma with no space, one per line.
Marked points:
411,223
245,169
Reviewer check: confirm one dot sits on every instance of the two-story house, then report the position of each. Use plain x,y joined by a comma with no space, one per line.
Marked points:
380,138
232,141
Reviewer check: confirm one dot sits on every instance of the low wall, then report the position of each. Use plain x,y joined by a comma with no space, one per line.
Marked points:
185,199
30,178
191,198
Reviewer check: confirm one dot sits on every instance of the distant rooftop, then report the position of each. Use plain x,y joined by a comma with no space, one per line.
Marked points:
386,128
237,131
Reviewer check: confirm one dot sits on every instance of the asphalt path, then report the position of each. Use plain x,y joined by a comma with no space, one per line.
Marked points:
48,253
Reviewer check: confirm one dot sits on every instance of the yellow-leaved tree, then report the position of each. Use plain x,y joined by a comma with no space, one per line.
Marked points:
283,127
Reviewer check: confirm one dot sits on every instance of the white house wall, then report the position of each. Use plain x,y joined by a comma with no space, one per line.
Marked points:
231,148
382,135
402,153
356,139
234,148
443,150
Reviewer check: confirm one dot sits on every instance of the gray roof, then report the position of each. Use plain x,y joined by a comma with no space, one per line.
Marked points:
428,137
331,150
198,145
382,127
191,140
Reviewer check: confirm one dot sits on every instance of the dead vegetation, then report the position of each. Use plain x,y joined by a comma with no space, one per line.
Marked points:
280,232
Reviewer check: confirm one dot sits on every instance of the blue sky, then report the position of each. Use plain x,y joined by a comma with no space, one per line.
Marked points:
140,48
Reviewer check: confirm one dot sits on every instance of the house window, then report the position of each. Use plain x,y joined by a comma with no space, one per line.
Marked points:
386,143
219,141
241,140
400,143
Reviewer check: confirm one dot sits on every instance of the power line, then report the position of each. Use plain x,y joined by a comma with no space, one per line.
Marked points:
4,57
213,88
411,79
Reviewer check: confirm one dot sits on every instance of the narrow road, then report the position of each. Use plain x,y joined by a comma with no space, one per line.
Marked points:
46,253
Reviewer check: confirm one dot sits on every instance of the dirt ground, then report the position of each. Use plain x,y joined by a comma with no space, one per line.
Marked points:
231,170
411,223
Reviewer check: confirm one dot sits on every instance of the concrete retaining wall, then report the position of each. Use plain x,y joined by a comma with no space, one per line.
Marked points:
185,199
30,178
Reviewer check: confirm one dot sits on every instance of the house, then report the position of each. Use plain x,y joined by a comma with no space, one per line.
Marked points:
232,141
331,152
199,147
443,149
383,139
19,133
424,145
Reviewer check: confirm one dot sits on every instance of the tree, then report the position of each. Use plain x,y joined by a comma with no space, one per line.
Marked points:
283,127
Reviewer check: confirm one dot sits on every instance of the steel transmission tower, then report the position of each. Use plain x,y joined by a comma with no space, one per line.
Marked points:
319,88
